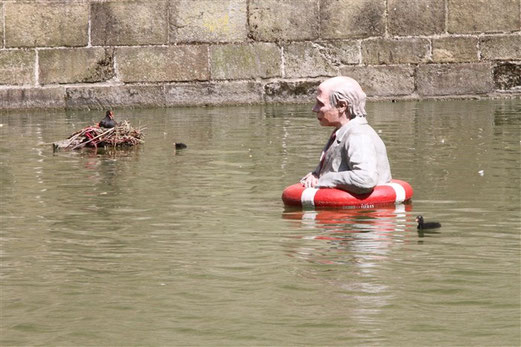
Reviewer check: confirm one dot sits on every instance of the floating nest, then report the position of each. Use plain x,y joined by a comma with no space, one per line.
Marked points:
122,135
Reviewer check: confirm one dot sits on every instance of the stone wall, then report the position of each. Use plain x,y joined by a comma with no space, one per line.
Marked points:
115,53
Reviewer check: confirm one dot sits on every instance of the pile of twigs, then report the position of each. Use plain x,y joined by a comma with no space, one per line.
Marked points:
122,135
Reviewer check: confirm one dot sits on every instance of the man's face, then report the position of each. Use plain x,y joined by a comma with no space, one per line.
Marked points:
327,114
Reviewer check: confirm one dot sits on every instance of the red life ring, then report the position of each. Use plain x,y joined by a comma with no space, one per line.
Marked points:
394,192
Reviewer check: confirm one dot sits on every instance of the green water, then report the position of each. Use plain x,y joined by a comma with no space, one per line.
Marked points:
156,247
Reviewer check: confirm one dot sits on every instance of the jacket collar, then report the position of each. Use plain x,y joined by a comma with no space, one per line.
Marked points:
340,133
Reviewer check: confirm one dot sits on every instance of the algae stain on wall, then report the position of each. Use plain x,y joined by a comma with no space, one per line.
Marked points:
218,24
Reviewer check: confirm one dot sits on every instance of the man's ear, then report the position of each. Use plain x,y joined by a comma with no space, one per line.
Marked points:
342,106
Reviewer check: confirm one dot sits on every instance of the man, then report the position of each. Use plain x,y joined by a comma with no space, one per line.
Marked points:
355,158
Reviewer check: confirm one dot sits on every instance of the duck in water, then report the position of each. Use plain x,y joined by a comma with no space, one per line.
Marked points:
179,145
422,225
430,225
108,121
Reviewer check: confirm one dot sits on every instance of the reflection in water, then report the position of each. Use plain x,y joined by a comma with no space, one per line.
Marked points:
357,240
365,231
426,233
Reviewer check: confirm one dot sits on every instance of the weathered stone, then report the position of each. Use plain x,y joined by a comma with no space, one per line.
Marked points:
129,23
416,17
31,98
103,97
77,65
162,64
389,51
354,18
454,79
243,61
455,50
208,21
215,93
17,67
289,91
308,59
252,50
305,59
507,76
47,24
342,52
383,80
501,47
274,20
475,16
1,26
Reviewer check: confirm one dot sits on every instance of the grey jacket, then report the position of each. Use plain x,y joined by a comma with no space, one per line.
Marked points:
356,161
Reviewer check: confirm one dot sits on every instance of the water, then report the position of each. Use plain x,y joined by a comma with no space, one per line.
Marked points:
156,247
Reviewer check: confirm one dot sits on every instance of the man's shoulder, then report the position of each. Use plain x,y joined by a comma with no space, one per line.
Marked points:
359,126
359,134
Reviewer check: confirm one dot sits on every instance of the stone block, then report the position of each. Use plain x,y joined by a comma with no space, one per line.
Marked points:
104,97
208,21
47,24
129,23
501,47
214,93
75,65
390,51
306,59
289,20
162,64
383,81
454,79
17,67
342,52
477,16
32,98
507,76
455,50
291,91
244,61
354,18
416,17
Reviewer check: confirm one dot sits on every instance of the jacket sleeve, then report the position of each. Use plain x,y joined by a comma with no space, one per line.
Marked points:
362,176
316,172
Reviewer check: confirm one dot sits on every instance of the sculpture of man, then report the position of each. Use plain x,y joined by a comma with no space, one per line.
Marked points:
355,157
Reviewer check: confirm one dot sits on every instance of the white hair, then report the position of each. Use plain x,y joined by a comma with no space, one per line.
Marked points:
350,91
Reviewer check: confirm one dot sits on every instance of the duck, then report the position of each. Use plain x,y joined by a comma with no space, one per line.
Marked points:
179,145
108,121
422,225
